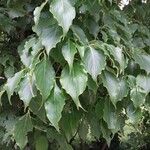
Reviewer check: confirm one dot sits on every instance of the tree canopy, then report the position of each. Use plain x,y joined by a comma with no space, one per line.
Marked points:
72,71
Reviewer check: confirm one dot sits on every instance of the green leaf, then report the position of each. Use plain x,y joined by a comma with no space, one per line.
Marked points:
8,121
94,125
37,107
1,94
137,96
45,76
68,51
54,106
134,114
94,8
109,115
74,82
27,89
22,127
143,82
25,56
118,55
56,54
79,33
106,132
131,81
94,62
64,13
6,23
12,83
28,50
9,71
16,9
83,129
81,50
69,124
41,143
92,26
33,45
117,88
92,85
99,109
37,12
143,60
112,116
60,138
48,31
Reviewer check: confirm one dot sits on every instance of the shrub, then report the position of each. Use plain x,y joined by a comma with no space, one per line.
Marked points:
72,72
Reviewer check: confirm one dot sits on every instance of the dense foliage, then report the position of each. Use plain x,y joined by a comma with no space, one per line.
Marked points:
73,72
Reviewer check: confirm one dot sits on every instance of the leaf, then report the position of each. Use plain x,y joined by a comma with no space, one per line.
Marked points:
81,50
12,83
37,108
56,54
117,88
45,76
8,121
92,26
134,114
41,143
9,71
112,116
54,106
48,31
83,129
1,94
143,82
94,62
94,8
37,12
64,13
94,125
33,45
75,82
106,132
7,24
16,9
79,33
28,50
36,47
22,127
92,85
50,37
143,60
69,124
25,54
99,109
109,115
131,81
60,138
27,89
137,96
118,55
68,51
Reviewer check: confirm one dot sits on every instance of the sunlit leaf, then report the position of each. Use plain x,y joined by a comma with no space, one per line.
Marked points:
64,13
94,62
68,51
75,82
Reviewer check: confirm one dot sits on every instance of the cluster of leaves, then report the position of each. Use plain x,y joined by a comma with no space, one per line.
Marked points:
72,71
137,137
